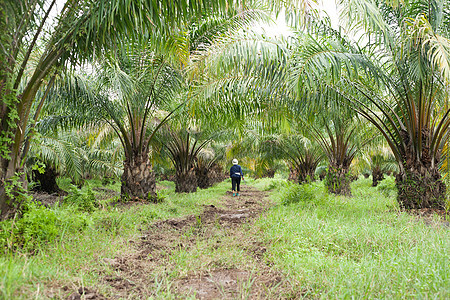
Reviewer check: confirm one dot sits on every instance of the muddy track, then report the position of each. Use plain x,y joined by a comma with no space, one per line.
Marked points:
152,272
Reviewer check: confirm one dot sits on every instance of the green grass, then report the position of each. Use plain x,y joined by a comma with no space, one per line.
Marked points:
326,246
363,247
74,257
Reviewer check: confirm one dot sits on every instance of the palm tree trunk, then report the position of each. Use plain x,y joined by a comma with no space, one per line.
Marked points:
306,175
301,175
3,197
4,207
419,182
337,180
267,173
138,179
377,176
216,173
203,177
186,182
293,174
416,190
7,171
206,177
10,204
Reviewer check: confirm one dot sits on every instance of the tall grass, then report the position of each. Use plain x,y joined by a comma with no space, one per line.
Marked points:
363,247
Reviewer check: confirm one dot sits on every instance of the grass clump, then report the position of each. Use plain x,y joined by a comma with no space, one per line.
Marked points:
38,227
83,199
302,194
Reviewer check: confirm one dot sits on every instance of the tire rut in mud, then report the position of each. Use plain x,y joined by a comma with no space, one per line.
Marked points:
216,226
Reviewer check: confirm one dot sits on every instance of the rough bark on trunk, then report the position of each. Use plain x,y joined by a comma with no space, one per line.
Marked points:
337,181
186,182
6,204
417,191
420,183
306,176
377,176
267,173
10,205
206,177
203,180
322,176
298,175
293,174
218,175
4,207
138,179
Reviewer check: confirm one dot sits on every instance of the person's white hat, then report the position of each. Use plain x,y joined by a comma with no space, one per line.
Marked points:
235,161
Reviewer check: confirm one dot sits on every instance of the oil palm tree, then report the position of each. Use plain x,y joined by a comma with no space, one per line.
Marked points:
83,29
340,141
135,96
69,154
183,147
303,156
208,169
381,161
398,80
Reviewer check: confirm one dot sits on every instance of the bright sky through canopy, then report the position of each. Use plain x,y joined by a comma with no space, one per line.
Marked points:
328,7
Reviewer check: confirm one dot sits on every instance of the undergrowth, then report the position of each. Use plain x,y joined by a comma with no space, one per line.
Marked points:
64,243
358,247
328,246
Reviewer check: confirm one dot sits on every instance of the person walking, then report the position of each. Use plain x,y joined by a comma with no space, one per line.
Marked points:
236,174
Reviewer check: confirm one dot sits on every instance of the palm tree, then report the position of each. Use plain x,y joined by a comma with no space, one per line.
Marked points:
183,147
398,81
83,29
208,169
136,95
303,156
381,161
69,154
340,142
256,146
445,168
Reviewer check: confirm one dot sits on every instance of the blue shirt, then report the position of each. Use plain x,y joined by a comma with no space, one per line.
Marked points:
236,171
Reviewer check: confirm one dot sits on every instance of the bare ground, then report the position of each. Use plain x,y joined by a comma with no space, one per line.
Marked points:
208,256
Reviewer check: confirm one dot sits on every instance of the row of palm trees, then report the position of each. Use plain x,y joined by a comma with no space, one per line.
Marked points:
144,45
154,61
395,75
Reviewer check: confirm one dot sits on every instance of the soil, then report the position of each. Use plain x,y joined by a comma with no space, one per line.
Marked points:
86,293
48,200
132,276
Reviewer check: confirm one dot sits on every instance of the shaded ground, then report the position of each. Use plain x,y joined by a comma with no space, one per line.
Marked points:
48,200
431,216
208,241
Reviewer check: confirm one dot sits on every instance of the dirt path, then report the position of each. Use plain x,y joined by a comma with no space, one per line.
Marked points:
213,255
